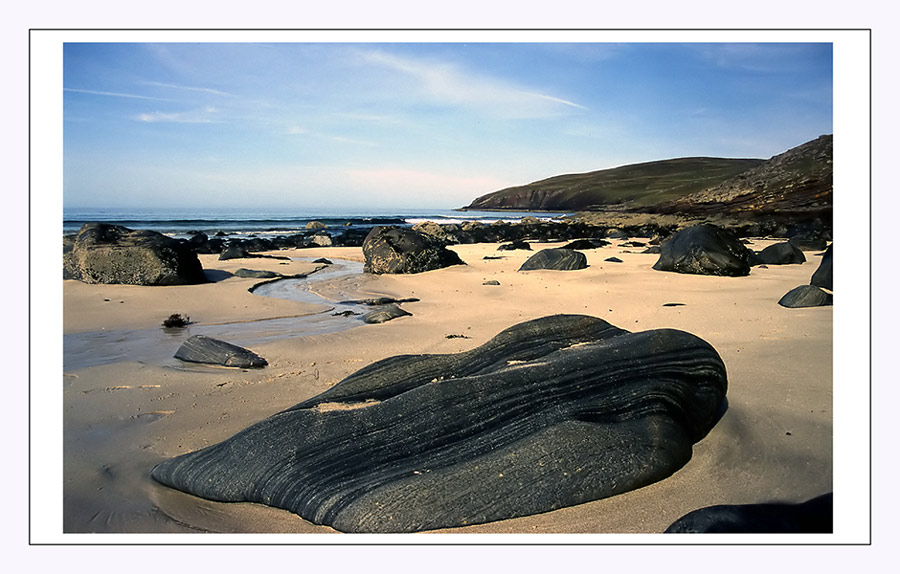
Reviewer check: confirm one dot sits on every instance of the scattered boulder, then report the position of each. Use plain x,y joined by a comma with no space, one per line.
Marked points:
808,243
555,259
397,250
805,296
822,277
255,273
704,249
323,261
780,254
613,260
549,413
316,225
581,244
203,349
813,516
385,314
236,251
491,282
105,253
523,245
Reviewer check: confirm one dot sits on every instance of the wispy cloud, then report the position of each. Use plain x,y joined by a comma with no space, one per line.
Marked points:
451,85
115,94
192,117
189,88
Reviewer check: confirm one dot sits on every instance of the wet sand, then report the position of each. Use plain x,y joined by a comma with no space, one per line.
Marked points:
120,419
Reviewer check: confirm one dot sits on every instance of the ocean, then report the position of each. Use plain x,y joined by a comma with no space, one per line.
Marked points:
273,223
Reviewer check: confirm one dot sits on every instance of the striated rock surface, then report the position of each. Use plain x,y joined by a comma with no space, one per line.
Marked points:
813,516
396,250
556,260
549,413
704,250
105,253
203,349
805,296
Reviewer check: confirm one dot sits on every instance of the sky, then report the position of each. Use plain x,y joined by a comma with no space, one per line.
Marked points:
384,126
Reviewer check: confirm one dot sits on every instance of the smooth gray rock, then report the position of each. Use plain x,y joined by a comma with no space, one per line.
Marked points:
549,413
556,260
385,314
104,253
805,296
704,250
255,273
813,516
203,349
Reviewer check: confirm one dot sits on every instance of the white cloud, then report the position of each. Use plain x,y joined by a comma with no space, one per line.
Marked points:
114,94
176,117
451,85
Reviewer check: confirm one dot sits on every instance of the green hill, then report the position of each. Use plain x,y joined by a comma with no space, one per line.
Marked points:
633,186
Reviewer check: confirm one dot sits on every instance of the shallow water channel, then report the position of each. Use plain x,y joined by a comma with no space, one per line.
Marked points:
158,345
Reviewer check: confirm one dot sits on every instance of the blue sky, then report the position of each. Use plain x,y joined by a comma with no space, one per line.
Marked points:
389,126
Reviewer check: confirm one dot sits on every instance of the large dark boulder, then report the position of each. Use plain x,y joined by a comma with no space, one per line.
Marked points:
105,253
822,277
805,296
397,250
549,413
203,349
780,254
555,259
815,516
704,250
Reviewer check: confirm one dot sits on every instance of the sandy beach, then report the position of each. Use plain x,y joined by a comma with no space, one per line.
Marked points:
774,442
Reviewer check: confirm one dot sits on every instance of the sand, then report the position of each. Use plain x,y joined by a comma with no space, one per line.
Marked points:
120,419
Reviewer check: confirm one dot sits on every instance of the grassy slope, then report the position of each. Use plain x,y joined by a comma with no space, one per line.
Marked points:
634,185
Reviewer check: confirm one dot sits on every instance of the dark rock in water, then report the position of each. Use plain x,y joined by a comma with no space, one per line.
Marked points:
347,313
523,245
380,301
385,314
555,259
704,250
549,413
582,244
613,260
813,516
104,253
255,273
396,250
203,349
805,296
780,254
822,277
491,282
323,261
